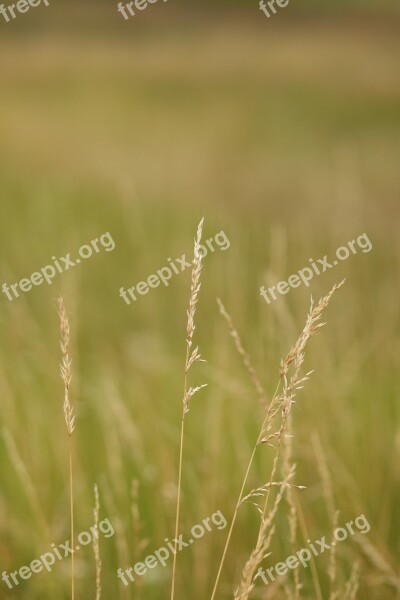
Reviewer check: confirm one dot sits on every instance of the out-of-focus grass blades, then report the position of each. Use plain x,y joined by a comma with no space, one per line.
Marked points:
286,138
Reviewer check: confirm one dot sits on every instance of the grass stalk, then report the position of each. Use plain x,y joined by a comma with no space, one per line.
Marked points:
96,543
192,356
69,419
281,403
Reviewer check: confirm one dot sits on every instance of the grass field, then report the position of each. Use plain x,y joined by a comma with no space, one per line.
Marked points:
286,138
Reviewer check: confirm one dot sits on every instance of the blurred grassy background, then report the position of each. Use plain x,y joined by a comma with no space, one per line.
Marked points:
284,133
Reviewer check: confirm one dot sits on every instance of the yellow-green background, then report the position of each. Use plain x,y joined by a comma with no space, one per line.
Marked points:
283,133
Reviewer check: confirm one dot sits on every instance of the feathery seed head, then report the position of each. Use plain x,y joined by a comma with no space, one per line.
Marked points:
65,365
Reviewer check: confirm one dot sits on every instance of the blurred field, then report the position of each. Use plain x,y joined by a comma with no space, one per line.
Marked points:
285,136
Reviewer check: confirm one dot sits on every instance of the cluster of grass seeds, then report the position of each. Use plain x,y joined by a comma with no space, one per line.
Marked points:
275,432
96,545
69,416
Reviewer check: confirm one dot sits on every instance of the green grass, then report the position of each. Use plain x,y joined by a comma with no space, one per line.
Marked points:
286,140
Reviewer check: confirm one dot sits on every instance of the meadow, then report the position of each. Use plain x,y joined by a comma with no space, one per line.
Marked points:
286,137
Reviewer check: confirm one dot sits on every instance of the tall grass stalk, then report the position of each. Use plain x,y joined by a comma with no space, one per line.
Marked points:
69,418
281,402
96,543
192,356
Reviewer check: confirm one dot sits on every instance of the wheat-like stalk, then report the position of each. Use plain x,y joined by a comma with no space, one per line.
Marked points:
351,587
26,480
192,356
96,542
290,498
281,403
389,573
243,354
68,415
139,542
266,533
66,365
285,400
332,513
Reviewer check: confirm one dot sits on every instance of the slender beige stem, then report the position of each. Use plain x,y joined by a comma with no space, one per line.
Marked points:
283,403
178,500
296,357
274,468
71,489
68,416
178,503
96,544
314,572
192,356
228,539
